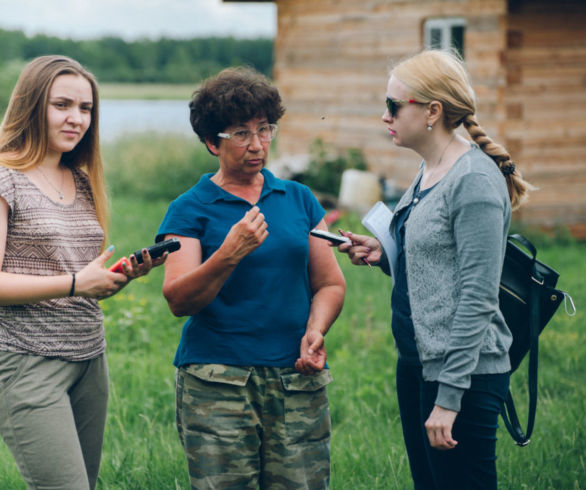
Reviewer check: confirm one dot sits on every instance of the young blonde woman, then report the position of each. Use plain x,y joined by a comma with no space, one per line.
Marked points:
450,228
53,216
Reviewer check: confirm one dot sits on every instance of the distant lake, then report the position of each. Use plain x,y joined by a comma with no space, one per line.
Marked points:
118,117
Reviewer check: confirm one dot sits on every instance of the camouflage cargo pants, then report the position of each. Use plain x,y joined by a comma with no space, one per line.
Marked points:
254,427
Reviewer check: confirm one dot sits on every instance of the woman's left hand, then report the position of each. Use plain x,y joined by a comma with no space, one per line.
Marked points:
439,428
312,353
136,270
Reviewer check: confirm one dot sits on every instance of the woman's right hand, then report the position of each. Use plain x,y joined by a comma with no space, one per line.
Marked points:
192,283
361,248
96,281
247,235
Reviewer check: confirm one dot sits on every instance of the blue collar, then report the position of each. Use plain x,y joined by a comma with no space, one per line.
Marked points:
208,192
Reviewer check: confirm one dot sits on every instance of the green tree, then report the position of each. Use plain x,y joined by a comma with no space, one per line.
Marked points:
11,45
113,59
9,73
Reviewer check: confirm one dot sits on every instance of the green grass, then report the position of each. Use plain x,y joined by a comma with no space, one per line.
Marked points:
142,450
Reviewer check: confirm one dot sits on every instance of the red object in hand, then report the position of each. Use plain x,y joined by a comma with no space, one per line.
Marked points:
117,267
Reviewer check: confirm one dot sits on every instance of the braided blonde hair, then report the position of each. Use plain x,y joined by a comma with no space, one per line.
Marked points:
517,186
435,75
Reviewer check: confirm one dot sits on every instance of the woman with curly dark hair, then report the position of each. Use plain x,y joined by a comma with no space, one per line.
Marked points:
260,294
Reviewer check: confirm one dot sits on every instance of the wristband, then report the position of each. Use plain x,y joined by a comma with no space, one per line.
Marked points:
72,290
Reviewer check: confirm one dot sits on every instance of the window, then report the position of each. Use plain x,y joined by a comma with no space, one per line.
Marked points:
445,34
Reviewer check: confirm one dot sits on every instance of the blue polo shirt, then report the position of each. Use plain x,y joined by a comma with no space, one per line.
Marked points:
260,314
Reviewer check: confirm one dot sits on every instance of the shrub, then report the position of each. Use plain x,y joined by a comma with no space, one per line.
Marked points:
324,172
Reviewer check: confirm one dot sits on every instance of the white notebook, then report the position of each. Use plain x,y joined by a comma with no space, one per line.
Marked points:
377,221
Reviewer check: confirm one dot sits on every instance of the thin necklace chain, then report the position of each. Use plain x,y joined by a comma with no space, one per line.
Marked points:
58,190
417,198
444,150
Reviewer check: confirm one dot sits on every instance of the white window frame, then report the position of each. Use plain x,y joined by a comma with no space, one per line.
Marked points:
445,26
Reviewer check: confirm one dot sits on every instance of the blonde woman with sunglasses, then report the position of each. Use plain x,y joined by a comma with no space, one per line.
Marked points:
450,228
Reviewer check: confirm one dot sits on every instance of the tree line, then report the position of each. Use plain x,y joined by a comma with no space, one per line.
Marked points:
113,59
165,60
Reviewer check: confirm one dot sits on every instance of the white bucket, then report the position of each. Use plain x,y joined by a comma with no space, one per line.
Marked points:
359,190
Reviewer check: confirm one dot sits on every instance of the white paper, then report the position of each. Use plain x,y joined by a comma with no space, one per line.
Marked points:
377,221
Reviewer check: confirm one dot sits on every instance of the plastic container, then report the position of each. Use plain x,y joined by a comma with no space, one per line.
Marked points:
359,190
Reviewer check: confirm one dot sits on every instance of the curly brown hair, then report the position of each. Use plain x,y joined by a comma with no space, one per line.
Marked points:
234,96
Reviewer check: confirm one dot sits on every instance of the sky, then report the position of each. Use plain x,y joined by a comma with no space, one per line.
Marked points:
135,19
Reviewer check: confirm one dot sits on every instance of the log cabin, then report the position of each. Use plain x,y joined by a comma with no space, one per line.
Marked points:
526,59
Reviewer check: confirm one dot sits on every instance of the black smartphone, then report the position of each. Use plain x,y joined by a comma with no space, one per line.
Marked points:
331,237
158,249
155,251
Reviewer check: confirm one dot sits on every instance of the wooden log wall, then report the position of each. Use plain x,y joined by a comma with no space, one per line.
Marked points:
545,105
332,62
526,58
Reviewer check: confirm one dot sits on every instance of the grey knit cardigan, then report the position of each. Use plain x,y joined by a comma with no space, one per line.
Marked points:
455,241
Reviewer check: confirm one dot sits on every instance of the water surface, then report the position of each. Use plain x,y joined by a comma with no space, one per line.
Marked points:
119,117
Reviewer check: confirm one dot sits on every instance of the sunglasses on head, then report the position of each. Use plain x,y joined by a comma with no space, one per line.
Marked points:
393,105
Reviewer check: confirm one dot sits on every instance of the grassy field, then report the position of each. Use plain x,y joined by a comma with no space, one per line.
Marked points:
167,91
142,450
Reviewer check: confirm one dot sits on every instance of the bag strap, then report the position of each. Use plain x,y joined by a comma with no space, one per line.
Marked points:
526,243
567,298
509,412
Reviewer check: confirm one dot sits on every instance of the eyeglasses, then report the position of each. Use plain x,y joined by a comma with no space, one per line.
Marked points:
393,105
243,137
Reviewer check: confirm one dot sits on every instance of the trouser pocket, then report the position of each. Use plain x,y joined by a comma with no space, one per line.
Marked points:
11,366
307,414
211,400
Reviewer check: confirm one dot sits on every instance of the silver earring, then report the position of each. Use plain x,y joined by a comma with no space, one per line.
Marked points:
429,127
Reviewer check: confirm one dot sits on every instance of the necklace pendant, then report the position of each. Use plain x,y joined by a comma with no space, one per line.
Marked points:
60,195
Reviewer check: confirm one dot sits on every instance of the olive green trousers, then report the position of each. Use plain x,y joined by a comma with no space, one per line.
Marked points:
52,418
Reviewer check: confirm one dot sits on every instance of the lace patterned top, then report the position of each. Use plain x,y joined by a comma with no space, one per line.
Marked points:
47,238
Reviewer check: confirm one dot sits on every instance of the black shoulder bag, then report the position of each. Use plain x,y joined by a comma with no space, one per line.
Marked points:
528,299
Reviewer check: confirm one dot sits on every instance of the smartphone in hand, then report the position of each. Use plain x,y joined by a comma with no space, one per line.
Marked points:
331,237
155,251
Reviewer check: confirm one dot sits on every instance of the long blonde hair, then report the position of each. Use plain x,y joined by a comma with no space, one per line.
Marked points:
441,76
24,131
